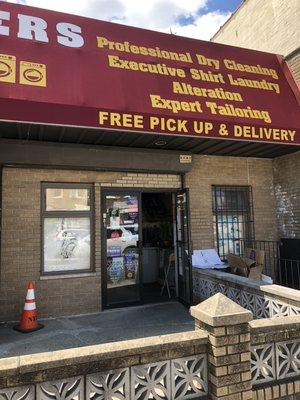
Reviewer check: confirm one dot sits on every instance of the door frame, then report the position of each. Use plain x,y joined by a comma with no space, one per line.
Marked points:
118,191
137,191
189,242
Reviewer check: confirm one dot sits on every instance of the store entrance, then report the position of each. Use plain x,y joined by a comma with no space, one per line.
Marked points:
158,258
145,247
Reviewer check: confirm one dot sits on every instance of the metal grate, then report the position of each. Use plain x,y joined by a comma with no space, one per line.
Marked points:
233,218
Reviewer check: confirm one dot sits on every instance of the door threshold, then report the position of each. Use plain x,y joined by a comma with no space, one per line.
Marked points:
172,301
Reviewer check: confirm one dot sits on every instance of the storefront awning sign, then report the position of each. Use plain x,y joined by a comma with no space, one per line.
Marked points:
67,70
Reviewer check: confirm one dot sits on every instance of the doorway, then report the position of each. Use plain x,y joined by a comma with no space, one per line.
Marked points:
158,260
145,247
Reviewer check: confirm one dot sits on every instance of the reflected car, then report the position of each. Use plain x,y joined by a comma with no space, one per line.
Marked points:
123,237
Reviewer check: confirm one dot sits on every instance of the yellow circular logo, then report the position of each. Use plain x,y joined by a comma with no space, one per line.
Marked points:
32,75
5,69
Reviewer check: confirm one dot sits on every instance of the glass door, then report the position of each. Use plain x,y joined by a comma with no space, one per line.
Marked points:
121,259
183,250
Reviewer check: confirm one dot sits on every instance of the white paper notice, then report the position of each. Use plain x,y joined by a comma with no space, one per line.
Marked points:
212,256
207,258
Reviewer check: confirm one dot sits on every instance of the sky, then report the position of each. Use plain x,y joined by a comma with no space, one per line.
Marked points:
198,19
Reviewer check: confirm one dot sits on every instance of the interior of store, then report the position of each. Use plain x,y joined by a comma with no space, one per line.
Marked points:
158,261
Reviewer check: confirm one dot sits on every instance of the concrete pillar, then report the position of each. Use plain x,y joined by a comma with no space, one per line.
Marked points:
229,357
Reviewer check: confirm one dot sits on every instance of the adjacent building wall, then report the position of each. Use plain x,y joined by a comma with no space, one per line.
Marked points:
273,26
287,189
293,59
266,25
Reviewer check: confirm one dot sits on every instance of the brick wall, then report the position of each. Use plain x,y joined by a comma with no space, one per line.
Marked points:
287,189
294,63
213,170
21,232
21,240
271,26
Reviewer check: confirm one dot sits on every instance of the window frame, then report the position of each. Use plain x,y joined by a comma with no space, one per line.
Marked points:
248,225
68,214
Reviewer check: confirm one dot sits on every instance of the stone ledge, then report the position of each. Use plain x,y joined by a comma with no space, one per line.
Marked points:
282,292
9,366
82,355
236,279
274,324
68,276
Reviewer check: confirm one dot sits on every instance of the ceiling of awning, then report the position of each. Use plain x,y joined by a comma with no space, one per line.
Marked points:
222,147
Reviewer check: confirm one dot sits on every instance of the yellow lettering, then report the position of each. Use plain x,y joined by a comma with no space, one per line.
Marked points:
121,120
154,121
138,121
103,116
102,41
115,119
292,135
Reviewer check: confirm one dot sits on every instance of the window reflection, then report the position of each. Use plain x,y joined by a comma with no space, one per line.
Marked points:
122,234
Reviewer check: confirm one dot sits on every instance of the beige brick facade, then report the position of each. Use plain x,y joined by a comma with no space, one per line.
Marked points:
21,240
21,225
212,170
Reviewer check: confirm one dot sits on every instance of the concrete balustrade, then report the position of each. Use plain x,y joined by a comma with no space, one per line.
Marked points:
229,356
262,299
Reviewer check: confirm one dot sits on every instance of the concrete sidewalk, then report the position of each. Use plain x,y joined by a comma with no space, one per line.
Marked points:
105,327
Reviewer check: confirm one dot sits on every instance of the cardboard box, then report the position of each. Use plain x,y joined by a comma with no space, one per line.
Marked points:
239,265
250,266
259,257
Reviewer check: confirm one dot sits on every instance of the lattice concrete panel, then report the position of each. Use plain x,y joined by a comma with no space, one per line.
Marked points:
248,301
279,309
263,363
151,381
108,385
18,393
260,306
65,389
234,294
189,377
287,359
294,310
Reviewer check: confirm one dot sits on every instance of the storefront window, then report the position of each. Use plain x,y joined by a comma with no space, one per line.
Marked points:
233,218
63,199
66,222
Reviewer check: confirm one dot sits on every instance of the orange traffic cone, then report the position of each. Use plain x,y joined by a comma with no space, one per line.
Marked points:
28,322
